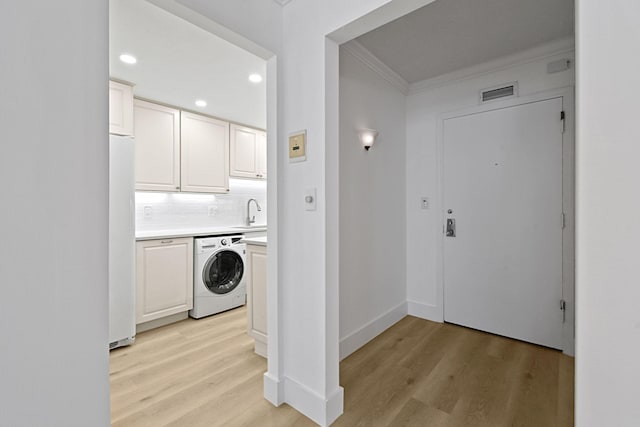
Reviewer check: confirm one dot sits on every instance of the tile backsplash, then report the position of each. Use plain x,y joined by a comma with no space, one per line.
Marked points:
166,211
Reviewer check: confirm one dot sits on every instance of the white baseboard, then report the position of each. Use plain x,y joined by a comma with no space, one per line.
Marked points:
273,389
425,311
369,331
163,321
323,411
260,348
335,406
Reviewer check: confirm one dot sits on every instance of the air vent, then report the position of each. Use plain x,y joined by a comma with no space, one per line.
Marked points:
498,92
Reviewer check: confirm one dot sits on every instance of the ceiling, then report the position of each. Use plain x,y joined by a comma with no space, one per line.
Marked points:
450,35
179,63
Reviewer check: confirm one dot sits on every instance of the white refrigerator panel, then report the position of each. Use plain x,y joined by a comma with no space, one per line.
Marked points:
122,328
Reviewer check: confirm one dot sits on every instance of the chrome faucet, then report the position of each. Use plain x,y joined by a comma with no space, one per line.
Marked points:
251,219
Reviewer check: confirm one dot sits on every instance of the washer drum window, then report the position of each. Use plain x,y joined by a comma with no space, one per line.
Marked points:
223,272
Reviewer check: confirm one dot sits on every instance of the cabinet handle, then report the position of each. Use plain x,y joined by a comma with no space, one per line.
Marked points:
177,188
166,241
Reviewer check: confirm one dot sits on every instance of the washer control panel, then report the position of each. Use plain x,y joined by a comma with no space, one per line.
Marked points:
208,244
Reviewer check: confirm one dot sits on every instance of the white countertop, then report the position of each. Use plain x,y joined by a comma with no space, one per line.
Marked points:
197,232
258,241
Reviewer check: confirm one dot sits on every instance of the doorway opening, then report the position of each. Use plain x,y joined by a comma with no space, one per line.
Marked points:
412,81
202,104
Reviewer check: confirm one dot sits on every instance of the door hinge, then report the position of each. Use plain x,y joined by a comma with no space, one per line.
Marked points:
563,308
562,119
564,220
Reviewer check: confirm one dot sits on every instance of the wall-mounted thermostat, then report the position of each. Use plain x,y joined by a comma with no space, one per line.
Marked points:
298,146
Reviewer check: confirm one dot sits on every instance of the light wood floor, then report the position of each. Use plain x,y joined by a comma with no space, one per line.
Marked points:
417,373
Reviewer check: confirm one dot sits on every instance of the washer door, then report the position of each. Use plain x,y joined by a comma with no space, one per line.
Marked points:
223,272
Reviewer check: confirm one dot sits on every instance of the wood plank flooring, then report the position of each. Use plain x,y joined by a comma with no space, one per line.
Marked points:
417,373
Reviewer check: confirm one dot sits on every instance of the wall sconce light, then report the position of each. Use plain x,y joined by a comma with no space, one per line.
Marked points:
367,137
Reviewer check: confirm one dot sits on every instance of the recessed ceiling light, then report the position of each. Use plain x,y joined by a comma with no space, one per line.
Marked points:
255,78
128,59
201,103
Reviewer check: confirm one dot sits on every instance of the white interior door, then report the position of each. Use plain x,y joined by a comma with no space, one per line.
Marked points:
503,187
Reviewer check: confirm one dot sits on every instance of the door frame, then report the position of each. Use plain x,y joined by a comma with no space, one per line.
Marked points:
568,198
274,377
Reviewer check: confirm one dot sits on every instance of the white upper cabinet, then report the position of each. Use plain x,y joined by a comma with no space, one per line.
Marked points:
157,141
248,152
204,154
181,151
120,109
261,155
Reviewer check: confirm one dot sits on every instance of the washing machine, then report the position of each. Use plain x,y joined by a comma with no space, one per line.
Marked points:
218,282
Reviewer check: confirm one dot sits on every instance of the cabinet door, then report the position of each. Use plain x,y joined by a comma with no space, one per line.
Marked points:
157,140
248,152
204,154
244,152
257,292
261,155
164,278
120,109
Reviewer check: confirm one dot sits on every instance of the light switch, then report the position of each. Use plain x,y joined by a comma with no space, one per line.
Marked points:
424,203
310,199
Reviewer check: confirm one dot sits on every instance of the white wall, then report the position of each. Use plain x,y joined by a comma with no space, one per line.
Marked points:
372,206
53,221
67,122
309,243
423,112
608,213
171,211
307,247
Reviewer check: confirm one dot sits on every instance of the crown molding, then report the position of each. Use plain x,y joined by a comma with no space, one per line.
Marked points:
361,53
563,46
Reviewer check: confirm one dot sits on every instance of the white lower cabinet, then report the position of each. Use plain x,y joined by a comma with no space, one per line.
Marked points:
164,278
257,297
